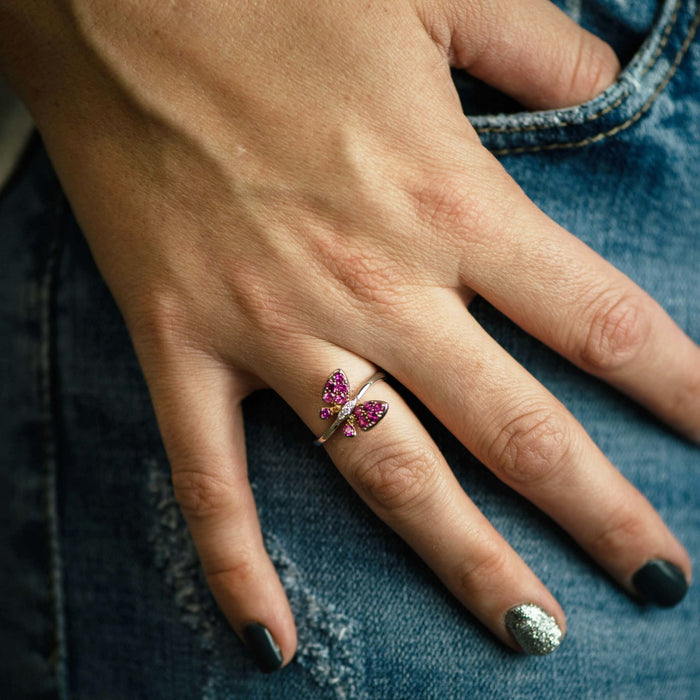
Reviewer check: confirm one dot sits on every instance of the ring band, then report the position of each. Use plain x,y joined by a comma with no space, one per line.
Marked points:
358,415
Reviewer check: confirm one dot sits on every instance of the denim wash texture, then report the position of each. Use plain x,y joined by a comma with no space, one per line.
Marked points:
101,592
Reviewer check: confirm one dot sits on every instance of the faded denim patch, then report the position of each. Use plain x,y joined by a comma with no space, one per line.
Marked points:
176,557
329,642
329,645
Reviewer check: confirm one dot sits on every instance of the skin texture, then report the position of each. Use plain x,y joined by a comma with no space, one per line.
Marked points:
276,189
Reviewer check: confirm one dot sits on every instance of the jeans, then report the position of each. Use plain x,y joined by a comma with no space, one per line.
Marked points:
101,591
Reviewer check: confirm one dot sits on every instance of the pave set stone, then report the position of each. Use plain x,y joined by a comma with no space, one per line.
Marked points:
346,409
357,415
337,388
370,413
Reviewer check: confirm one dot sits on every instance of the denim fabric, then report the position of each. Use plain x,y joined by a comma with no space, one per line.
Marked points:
102,596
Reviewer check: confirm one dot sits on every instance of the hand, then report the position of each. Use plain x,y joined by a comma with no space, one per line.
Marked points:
275,190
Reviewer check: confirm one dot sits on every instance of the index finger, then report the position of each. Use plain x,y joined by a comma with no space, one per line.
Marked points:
561,291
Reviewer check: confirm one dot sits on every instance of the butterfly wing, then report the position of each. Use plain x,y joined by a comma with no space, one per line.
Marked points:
369,413
337,389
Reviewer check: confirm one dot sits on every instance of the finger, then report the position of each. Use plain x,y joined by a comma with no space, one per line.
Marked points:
197,403
561,291
530,441
530,50
398,470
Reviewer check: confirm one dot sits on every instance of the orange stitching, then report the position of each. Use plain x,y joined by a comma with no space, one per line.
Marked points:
606,110
664,40
620,127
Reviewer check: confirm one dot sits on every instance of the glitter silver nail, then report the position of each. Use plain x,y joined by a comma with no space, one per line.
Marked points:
535,630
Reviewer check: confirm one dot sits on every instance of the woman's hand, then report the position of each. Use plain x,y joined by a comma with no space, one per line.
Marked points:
273,190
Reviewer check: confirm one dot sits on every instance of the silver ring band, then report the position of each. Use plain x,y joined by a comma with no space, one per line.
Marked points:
347,408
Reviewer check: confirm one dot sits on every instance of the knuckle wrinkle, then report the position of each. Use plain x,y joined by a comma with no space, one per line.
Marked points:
451,206
238,574
200,495
530,448
623,531
478,571
398,477
616,334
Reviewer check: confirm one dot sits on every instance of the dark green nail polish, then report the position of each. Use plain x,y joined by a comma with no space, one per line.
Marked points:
262,647
661,583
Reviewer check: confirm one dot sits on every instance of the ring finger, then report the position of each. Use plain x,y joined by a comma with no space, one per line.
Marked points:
399,471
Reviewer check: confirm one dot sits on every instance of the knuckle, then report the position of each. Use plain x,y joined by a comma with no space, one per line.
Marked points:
530,448
201,495
262,306
367,278
624,530
237,575
157,320
476,572
617,331
400,477
453,206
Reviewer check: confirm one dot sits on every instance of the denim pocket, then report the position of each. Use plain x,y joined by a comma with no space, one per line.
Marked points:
624,104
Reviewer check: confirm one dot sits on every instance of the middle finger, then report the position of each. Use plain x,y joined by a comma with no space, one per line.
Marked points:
511,423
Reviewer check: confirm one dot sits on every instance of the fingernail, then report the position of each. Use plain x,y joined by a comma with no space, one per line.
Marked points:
534,630
661,583
262,647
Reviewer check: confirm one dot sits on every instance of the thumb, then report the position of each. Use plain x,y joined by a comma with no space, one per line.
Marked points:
528,49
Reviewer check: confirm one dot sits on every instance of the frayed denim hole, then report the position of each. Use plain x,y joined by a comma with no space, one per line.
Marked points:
176,557
329,643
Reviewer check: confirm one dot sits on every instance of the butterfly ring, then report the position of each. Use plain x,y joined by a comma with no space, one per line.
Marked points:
355,414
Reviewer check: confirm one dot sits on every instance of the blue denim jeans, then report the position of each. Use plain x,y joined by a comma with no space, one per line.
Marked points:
101,592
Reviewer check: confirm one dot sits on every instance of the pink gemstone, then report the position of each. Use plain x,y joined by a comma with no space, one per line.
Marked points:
336,389
370,413
349,430
325,413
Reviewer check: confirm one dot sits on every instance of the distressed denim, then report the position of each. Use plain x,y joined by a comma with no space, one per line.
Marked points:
101,592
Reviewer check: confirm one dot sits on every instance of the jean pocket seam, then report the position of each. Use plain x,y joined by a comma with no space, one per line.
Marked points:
664,39
618,127
628,86
559,125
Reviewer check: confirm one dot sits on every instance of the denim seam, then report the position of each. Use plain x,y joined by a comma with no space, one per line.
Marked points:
626,124
47,323
559,125
664,40
604,110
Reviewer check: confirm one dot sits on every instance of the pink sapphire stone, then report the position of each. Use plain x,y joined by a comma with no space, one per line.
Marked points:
370,413
349,430
325,413
336,389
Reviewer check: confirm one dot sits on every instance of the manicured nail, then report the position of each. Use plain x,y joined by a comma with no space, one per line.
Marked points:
537,632
262,647
661,583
